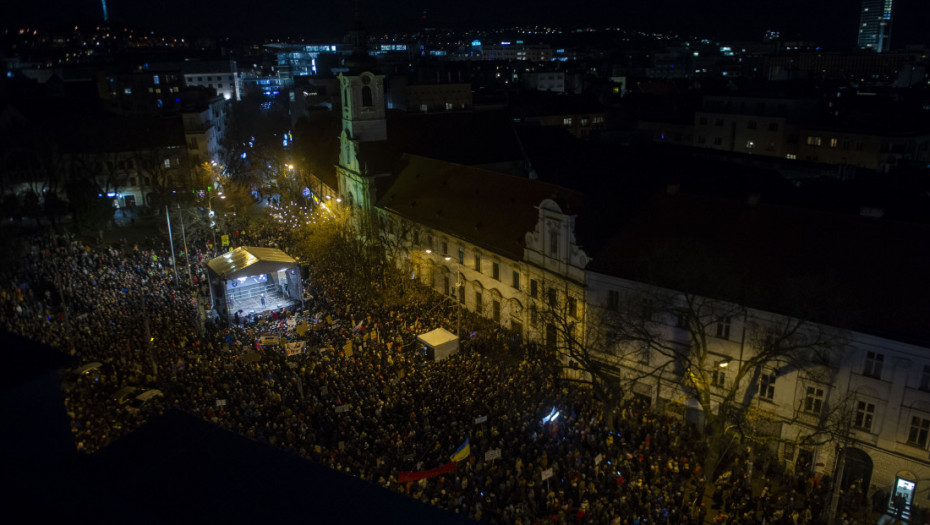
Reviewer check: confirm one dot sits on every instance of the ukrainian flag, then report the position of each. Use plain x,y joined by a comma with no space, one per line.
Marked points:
463,452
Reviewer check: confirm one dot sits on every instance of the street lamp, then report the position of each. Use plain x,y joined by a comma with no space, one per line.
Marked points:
458,302
211,214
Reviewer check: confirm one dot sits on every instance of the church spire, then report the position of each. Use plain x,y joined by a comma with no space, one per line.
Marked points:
357,38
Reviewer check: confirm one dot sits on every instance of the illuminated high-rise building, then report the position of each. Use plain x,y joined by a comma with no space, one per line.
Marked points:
875,25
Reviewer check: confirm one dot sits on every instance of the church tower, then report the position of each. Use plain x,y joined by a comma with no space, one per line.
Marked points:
363,121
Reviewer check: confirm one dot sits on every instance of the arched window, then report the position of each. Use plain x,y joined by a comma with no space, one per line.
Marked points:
366,97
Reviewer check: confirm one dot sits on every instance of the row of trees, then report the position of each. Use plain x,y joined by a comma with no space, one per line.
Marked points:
680,344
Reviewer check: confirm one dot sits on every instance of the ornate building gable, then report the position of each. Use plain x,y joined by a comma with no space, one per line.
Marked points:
551,245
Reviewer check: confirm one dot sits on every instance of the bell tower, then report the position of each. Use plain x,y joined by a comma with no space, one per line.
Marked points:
363,119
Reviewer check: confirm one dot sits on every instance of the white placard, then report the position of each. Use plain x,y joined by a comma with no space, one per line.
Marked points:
294,348
220,402
482,419
546,474
598,458
342,408
492,454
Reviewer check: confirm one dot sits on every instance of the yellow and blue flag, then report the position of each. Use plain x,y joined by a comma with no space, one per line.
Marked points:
463,452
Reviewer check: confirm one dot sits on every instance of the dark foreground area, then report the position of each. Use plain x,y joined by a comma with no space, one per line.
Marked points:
176,468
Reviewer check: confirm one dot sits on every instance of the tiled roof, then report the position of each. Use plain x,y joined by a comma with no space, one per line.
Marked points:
843,270
485,208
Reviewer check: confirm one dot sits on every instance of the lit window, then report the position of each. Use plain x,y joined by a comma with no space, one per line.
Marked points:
750,144
873,365
567,121
814,141
918,434
813,400
767,386
864,414
834,142
791,156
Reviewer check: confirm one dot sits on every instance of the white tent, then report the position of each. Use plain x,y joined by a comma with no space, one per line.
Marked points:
442,342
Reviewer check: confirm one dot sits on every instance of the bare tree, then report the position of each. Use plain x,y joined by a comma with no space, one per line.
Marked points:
160,166
715,353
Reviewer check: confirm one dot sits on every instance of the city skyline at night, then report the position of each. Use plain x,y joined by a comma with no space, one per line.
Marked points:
515,263
835,23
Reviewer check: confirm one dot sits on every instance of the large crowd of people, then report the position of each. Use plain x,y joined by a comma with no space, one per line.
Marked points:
362,397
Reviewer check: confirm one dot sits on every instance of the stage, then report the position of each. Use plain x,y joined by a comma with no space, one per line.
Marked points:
250,281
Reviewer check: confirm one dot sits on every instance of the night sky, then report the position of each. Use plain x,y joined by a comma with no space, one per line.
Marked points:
831,22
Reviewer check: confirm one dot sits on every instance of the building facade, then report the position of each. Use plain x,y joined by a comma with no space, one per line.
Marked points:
875,25
221,75
837,399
